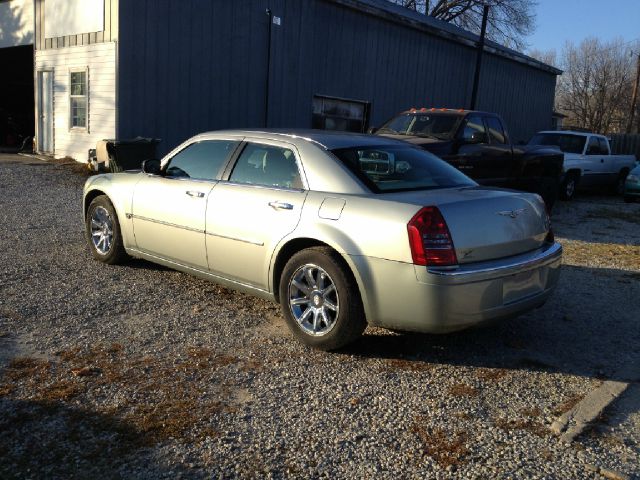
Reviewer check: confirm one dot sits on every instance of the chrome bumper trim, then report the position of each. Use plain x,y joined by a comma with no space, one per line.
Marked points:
498,268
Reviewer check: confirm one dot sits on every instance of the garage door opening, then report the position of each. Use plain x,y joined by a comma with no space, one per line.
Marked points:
16,98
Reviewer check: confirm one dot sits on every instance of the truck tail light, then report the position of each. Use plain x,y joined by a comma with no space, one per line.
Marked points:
430,240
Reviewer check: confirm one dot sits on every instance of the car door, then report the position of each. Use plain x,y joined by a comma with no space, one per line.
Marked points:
470,156
498,154
593,170
248,213
169,209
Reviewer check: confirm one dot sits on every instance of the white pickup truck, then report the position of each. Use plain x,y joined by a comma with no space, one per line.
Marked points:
587,161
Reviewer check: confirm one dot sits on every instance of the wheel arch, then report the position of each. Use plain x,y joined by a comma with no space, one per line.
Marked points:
295,245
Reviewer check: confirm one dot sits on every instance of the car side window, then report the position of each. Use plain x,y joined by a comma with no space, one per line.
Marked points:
593,148
603,146
201,160
473,130
496,130
267,165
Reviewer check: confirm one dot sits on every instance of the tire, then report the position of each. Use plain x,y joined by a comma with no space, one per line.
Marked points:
618,187
103,232
320,299
549,191
568,187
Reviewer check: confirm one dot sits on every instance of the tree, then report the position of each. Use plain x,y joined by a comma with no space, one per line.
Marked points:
509,21
549,56
595,88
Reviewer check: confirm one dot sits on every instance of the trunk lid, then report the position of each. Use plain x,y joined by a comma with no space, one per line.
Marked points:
487,224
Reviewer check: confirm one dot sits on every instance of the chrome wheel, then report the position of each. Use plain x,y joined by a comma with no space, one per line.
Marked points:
570,188
101,230
313,300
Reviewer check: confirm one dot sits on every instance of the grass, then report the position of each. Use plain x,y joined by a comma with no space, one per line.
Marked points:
568,404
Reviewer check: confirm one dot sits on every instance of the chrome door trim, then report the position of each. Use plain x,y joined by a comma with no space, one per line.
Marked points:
243,240
166,224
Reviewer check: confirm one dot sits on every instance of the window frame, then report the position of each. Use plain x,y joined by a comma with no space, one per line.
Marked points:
86,127
488,130
233,154
231,165
463,126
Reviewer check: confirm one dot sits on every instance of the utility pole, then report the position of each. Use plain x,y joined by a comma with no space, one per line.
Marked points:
266,86
476,76
634,95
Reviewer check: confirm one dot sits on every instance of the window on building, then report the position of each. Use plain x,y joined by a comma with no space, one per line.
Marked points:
78,105
331,113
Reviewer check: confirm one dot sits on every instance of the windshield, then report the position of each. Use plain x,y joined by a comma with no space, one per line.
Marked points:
568,143
437,125
398,168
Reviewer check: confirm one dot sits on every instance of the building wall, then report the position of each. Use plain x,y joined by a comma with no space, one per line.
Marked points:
16,23
108,34
187,67
100,61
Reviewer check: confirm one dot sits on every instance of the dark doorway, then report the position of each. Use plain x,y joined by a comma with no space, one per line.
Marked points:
16,97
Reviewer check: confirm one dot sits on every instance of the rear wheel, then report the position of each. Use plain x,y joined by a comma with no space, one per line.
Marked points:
320,300
618,188
568,186
103,231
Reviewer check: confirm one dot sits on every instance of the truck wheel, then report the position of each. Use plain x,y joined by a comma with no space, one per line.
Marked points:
568,187
618,188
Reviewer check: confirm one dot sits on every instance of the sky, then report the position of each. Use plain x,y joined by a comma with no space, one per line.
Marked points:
575,20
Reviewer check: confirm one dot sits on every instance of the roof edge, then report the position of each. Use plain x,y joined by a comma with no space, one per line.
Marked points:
395,13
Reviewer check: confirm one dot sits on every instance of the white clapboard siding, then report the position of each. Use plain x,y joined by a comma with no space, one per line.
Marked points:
100,60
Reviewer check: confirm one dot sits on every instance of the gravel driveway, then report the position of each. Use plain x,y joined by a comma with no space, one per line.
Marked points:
138,371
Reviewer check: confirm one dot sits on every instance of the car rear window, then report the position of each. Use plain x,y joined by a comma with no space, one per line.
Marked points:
398,168
568,143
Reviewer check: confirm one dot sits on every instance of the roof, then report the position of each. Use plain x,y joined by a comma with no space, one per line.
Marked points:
325,138
396,13
570,132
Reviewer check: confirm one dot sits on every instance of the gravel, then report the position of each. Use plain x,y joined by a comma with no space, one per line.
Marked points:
138,371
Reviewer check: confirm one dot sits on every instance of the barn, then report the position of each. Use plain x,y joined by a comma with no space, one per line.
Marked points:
169,69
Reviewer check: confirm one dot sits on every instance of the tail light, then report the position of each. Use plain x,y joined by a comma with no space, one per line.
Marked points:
430,240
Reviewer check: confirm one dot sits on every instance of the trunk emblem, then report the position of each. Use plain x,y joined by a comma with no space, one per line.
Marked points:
511,213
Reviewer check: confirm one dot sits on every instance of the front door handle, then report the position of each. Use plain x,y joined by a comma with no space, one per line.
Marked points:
193,193
281,205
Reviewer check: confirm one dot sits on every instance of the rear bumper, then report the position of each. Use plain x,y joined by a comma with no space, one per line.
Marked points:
413,298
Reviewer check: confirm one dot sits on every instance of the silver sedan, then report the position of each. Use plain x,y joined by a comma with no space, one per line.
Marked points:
343,230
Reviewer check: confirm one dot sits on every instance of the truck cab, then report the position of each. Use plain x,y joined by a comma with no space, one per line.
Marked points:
588,161
478,144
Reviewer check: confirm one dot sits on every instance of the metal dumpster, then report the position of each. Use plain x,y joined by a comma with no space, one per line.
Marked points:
119,155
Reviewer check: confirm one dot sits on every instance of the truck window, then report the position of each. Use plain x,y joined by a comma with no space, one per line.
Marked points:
593,148
567,142
604,148
473,130
496,130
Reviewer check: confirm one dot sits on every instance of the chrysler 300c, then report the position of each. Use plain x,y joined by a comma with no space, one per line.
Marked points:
343,230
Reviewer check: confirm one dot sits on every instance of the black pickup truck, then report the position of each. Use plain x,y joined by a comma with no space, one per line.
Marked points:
478,144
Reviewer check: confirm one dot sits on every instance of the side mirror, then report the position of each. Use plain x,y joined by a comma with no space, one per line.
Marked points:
151,167
476,137
372,130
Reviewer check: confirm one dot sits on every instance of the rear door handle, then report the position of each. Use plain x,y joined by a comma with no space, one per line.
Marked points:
281,205
193,193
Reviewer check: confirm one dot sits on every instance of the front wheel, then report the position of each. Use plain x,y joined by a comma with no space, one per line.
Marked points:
568,187
320,299
103,231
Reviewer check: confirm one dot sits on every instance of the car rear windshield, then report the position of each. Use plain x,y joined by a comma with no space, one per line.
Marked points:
398,168
436,125
568,143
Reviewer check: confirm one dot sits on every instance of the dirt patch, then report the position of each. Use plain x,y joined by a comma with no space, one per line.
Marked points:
446,448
